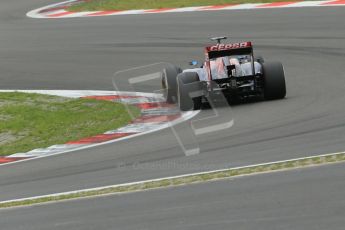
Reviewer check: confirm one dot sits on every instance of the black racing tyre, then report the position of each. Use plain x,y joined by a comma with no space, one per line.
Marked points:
186,83
274,81
169,83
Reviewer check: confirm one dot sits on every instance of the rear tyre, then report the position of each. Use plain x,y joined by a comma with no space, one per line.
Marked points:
188,83
274,81
169,83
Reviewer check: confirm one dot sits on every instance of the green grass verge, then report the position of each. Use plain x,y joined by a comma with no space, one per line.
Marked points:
95,5
183,180
29,121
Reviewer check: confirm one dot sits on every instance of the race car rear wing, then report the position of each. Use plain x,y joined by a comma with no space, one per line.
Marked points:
221,50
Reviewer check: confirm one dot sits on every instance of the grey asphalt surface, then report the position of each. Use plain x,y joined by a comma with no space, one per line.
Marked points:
309,198
84,53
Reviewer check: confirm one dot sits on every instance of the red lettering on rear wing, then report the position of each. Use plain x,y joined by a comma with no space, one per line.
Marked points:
223,47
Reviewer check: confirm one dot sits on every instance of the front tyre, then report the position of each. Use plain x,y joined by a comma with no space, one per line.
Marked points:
274,80
169,83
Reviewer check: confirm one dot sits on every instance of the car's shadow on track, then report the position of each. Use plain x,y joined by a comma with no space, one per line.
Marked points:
234,102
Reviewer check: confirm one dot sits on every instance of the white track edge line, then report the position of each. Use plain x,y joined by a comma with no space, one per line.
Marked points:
166,178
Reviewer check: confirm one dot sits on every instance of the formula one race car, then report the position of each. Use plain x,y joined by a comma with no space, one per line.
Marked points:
230,69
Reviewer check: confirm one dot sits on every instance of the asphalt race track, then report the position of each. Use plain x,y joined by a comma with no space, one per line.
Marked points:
229,204
84,53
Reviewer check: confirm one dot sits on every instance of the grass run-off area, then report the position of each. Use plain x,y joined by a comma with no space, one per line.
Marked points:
95,5
30,121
